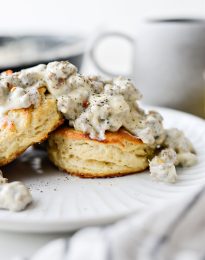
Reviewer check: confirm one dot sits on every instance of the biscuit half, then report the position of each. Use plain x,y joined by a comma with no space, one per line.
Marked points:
21,128
119,154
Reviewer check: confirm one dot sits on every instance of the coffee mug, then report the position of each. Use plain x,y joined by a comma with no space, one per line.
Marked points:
168,62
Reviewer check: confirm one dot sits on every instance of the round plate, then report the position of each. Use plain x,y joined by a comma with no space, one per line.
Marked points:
64,203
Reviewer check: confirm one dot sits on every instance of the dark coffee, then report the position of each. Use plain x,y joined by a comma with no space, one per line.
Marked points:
177,20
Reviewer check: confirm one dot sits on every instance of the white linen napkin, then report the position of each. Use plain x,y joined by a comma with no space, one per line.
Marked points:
176,231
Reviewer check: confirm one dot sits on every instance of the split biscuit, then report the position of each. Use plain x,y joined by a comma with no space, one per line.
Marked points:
119,154
20,128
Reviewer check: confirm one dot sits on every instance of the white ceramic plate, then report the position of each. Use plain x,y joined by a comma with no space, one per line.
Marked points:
65,203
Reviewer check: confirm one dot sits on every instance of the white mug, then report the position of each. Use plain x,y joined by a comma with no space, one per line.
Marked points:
168,63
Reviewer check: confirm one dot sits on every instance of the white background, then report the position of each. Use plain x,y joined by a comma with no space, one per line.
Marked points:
90,17
84,16
79,17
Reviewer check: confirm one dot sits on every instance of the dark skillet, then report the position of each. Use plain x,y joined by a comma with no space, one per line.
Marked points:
35,49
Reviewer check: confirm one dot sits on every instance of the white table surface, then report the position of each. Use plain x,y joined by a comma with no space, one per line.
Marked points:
13,244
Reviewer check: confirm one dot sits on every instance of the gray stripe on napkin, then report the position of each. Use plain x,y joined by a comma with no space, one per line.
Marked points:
65,249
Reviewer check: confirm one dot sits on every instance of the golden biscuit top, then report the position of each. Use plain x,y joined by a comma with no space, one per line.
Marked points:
110,137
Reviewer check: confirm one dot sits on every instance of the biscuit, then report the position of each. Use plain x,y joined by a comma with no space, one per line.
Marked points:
119,154
21,128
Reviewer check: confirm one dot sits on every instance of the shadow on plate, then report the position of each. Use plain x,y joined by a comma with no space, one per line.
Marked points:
30,164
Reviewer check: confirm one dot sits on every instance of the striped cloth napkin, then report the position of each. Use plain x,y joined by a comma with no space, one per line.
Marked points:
176,231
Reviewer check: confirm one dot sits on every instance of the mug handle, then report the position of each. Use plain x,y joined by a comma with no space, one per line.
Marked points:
107,35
